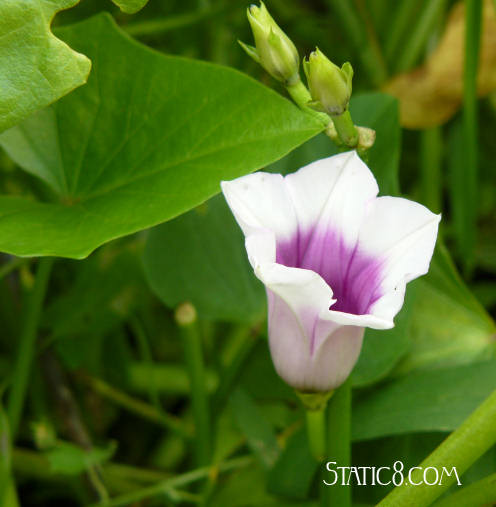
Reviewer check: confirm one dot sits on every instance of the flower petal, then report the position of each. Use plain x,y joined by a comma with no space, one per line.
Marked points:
305,292
260,201
333,193
331,198
295,362
402,234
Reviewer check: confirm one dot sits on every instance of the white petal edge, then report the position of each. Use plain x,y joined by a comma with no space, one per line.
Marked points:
403,233
260,201
300,288
350,319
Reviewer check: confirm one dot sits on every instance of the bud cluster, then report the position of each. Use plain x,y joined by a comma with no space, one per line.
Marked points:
330,86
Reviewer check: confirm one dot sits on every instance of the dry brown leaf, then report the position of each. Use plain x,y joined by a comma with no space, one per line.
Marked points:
432,93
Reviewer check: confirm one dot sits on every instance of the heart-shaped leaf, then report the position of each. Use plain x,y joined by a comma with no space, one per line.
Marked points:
147,138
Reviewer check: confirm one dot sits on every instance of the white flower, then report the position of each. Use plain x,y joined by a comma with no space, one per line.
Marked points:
334,259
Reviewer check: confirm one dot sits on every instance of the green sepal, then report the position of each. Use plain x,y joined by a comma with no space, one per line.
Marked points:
250,51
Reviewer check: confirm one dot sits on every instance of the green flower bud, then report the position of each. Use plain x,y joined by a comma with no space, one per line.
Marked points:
274,50
330,86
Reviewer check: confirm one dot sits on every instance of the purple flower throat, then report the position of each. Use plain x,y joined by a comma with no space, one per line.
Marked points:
354,276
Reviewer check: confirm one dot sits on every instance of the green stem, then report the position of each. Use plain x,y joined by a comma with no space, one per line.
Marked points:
339,444
421,32
234,367
399,26
146,356
27,342
8,493
193,354
460,450
316,432
35,465
347,133
176,482
300,94
13,264
346,130
431,147
473,20
482,492
136,406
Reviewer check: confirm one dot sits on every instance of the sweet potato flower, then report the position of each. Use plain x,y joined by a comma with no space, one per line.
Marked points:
334,259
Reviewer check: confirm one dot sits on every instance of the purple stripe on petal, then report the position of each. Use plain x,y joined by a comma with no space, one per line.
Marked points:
354,276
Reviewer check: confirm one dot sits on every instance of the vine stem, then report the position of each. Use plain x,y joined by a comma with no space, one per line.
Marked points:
27,342
339,444
136,406
460,450
176,482
193,354
8,493
473,22
12,265
431,148
482,492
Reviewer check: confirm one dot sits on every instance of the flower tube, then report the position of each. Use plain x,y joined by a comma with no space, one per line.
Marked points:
334,259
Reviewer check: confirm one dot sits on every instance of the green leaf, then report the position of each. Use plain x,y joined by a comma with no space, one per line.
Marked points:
130,6
382,349
244,488
436,400
257,429
36,68
148,138
101,295
105,291
209,267
8,495
449,325
380,112
69,459
290,480
260,380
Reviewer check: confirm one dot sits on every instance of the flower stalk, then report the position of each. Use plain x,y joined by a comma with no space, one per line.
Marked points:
346,130
316,432
27,342
301,96
315,404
